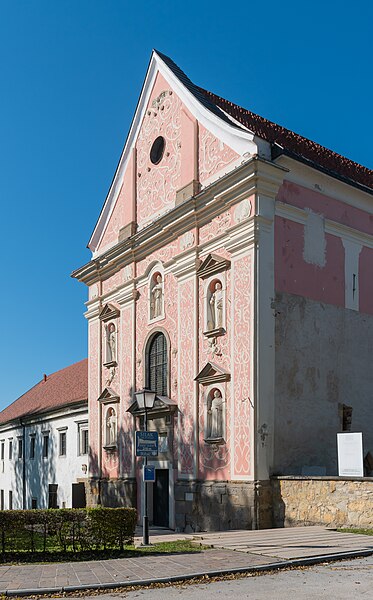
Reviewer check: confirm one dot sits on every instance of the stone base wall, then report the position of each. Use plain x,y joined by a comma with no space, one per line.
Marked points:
112,493
218,506
329,501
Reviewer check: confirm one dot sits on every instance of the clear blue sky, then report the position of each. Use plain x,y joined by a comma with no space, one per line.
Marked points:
71,72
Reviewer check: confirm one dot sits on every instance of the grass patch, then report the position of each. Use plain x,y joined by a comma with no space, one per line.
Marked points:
355,530
177,547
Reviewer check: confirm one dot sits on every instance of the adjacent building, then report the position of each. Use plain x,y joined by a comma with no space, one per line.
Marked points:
231,274
44,443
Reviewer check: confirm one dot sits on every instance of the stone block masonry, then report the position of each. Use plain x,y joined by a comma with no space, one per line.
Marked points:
222,505
331,501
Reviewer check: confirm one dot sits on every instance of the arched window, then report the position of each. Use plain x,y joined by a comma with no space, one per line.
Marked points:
157,365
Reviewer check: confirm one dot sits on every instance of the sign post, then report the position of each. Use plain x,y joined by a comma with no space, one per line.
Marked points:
146,445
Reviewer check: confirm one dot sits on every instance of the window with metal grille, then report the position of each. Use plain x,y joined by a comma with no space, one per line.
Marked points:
157,365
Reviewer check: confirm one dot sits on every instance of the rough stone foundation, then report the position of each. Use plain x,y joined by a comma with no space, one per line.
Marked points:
113,492
329,501
222,505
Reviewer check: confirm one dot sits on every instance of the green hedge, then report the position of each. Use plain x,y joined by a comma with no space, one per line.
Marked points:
66,529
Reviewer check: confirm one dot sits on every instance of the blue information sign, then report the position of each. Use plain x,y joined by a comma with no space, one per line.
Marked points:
149,473
146,443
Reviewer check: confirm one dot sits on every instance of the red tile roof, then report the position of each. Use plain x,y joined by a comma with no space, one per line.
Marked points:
68,386
294,143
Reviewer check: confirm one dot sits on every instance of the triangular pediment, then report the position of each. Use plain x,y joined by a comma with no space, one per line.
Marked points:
108,395
162,404
212,264
212,373
109,312
228,131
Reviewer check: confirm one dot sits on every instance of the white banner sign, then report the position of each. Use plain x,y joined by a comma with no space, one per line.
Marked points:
350,454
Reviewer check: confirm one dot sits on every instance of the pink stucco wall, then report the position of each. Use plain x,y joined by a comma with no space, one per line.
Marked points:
330,208
295,276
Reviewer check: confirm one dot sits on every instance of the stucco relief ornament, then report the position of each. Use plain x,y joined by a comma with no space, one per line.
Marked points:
215,417
127,273
187,240
242,211
111,375
214,348
156,303
216,304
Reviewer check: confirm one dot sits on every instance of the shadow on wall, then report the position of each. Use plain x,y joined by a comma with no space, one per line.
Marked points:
35,472
114,492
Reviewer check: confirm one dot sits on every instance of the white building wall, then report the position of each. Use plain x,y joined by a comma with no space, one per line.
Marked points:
41,471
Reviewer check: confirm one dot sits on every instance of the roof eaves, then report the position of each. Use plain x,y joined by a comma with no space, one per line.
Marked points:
277,151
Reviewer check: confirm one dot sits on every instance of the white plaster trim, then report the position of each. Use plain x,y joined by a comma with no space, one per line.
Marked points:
240,140
314,248
299,215
352,253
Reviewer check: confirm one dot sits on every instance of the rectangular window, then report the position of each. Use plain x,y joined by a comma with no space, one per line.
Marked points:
34,503
52,496
20,448
45,445
10,449
1,499
10,500
2,450
32,446
62,443
83,438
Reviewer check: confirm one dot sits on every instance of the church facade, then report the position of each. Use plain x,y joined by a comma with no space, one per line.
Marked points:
231,274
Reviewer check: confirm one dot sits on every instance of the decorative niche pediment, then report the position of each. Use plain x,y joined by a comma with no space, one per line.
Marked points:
162,405
109,312
211,374
108,396
212,264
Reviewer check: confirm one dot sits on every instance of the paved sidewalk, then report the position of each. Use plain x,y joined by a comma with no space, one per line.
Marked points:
288,543
232,551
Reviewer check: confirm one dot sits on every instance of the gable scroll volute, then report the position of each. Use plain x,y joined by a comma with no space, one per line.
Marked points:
213,264
211,374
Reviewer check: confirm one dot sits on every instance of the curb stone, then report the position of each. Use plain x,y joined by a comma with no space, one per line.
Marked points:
298,562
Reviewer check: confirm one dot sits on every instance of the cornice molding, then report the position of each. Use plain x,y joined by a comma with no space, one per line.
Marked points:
254,176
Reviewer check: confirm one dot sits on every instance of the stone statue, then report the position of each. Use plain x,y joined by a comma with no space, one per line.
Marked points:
215,413
111,427
216,304
156,302
111,343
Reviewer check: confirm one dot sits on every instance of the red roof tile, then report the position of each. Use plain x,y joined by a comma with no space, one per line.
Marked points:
64,387
294,143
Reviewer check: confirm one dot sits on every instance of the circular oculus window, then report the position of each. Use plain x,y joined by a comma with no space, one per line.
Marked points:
157,150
